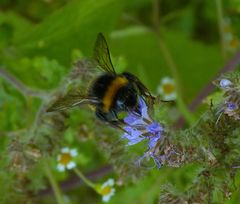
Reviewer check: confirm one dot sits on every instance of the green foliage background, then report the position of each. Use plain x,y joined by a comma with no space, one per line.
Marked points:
39,42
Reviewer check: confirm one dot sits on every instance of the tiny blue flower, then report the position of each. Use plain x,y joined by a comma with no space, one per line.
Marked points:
232,106
133,135
154,128
143,108
158,161
225,83
139,126
133,119
153,139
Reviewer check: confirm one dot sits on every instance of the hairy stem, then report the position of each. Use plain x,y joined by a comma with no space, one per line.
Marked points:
220,26
171,64
26,91
84,178
74,182
55,187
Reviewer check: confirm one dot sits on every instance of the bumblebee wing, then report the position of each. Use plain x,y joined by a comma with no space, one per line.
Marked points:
150,99
102,54
142,88
70,101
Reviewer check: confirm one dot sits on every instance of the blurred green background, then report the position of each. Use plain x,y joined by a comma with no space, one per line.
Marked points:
189,40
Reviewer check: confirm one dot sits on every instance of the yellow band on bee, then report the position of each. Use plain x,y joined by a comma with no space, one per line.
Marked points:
108,98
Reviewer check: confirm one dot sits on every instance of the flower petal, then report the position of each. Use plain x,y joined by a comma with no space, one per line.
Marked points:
225,83
154,128
135,141
170,97
232,106
167,80
131,119
110,182
144,108
106,198
65,150
60,167
133,135
73,152
71,165
153,140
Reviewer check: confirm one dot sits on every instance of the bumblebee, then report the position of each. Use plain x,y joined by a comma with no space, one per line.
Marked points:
110,93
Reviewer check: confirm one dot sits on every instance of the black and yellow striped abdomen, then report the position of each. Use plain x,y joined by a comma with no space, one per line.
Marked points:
106,88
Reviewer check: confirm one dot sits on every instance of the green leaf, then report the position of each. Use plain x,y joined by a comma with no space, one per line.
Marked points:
39,71
196,63
144,191
74,26
14,21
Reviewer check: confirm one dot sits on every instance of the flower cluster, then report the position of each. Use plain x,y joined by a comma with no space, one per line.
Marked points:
167,89
231,104
232,109
139,126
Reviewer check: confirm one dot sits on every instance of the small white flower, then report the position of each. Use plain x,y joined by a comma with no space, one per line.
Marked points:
167,89
107,190
65,159
225,83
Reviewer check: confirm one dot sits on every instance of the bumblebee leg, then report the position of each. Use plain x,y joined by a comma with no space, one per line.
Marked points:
116,122
106,117
111,119
101,116
117,125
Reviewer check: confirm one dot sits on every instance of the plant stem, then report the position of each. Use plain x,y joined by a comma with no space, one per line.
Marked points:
55,187
185,111
84,178
220,26
26,91
171,64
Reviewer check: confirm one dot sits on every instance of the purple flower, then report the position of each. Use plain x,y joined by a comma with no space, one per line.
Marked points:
158,159
154,128
231,109
133,119
155,131
140,126
143,108
232,106
133,135
153,140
